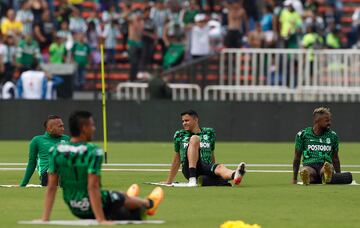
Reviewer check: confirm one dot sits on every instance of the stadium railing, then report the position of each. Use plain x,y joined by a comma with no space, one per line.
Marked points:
287,75
139,91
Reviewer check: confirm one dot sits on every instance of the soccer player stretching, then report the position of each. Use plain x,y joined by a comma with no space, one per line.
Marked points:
77,164
39,149
194,149
319,146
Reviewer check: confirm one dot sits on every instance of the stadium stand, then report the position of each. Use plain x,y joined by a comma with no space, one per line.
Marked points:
207,71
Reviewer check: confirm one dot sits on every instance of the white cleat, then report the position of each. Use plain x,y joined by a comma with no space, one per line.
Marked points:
239,173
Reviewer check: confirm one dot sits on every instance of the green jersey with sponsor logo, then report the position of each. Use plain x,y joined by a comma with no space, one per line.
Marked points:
207,144
39,154
73,162
316,148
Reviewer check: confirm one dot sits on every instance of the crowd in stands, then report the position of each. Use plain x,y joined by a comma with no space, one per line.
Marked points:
65,31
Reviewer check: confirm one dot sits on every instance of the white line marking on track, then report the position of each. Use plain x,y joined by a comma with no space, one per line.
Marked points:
168,165
167,170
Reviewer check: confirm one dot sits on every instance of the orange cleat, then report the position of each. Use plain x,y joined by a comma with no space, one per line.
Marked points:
157,195
133,190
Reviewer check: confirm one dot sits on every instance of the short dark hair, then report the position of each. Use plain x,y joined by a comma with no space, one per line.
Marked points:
50,117
190,112
321,111
76,121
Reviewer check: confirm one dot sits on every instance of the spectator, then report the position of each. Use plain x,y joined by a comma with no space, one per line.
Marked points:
110,15
312,40
36,84
57,50
38,7
9,90
256,38
159,88
236,18
66,35
160,15
210,4
44,32
2,63
9,57
77,23
124,24
10,25
26,17
92,36
189,12
27,53
81,54
200,38
93,17
148,48
215,34
109,34
290,23
333,38
252,12
268,25
136,26
176,50
63,12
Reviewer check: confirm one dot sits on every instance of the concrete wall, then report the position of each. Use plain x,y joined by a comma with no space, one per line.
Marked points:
157,121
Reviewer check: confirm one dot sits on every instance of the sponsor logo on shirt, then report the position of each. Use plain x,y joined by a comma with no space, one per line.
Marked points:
69,148
319,147
204,145
83,204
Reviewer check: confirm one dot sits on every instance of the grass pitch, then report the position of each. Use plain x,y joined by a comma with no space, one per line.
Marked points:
267,199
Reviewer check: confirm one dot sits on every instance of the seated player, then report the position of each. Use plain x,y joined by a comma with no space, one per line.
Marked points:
319,147
194,149
78,164
39,149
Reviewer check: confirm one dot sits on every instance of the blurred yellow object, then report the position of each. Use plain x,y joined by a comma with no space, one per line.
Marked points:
238,224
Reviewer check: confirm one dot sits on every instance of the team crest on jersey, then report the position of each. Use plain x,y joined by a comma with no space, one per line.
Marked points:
205,137
62,141
328,141
320,140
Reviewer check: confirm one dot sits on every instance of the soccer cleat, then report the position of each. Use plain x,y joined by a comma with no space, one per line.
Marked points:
239,173
157,195
133,190
305,176
328,172
192,182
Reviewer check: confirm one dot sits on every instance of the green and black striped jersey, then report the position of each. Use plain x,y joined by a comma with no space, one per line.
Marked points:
316,148
207,144
73,162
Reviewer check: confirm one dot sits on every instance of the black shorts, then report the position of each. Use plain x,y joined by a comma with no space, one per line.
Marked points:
114,208
317,167
202,168
44,179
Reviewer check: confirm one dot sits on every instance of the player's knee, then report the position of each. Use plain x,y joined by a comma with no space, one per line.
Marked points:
194,140
218,168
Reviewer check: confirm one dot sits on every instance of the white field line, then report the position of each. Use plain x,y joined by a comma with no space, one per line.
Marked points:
167,170
169,165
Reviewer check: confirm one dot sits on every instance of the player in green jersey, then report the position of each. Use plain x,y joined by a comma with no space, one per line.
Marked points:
78,164
194,149
39,149
319,148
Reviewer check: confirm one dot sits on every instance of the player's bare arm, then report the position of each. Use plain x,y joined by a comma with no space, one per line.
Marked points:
336,162
95,198
50,196
296,165
174,168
